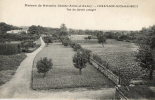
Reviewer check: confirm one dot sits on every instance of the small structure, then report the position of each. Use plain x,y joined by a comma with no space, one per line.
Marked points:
17,31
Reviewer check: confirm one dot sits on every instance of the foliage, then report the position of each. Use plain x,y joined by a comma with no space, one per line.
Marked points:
88,38
63,30
79,61
18,37
86,53
25,45
65,40
9,49
44,65
146,44
35,30
48,39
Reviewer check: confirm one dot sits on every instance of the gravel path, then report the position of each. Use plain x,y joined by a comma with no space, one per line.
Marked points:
19,86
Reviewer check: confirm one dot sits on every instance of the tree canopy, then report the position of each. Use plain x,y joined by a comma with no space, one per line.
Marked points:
80,61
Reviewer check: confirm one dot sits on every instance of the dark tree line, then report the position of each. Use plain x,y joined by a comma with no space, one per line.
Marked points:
146,54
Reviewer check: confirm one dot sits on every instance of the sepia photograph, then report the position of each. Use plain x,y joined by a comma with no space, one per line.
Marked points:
77,49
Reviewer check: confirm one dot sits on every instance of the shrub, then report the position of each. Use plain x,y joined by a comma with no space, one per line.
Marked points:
76,47
88,38
48,39
72,44
65,40
44,65
25,45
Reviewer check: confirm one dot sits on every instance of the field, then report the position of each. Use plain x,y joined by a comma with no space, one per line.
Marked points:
63,74
120,56
8,66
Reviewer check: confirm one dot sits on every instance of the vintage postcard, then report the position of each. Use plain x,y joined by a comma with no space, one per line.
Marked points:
77,49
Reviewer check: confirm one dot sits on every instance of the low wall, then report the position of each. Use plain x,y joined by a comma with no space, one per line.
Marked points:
105,71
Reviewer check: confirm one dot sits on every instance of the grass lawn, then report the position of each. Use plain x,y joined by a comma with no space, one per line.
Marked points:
8,66
63,74
120,56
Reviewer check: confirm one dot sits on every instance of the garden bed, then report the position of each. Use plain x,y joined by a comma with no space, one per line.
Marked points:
9,65
64,74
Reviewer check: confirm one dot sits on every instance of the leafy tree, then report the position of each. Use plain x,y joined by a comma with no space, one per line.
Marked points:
37,30
44,65
48,39
63,30
33,30
145,56
101,39
79,61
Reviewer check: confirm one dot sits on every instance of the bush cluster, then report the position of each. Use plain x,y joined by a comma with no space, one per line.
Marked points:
48,39
65,40
25,45
44,65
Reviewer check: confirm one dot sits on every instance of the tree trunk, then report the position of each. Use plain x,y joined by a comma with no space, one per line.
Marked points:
80,71
151,74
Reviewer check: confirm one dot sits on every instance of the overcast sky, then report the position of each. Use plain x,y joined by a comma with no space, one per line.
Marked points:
14,12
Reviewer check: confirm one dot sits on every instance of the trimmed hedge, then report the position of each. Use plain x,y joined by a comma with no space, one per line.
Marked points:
9,49
18,37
